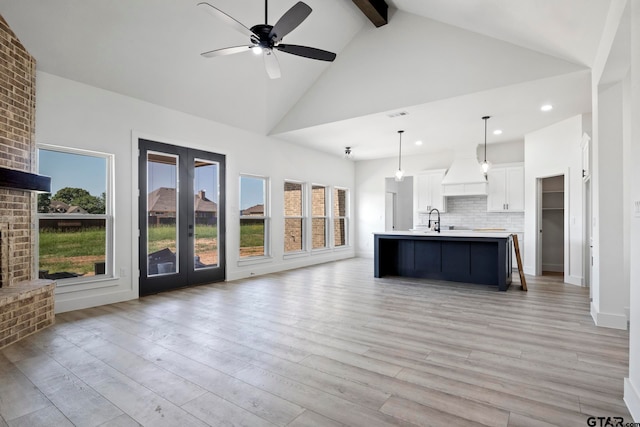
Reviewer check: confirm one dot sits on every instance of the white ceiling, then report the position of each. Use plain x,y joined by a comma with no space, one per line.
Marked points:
445,62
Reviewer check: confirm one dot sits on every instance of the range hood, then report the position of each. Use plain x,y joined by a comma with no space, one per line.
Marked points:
465,176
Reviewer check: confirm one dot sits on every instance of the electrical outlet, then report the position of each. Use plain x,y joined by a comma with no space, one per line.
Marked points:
636,208
123,272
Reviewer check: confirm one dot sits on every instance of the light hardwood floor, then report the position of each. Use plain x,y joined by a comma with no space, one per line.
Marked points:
327,345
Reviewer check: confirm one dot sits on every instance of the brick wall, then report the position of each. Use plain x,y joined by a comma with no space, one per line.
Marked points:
339,209
17,149
318,225
293,203
26,305
293,226
25,309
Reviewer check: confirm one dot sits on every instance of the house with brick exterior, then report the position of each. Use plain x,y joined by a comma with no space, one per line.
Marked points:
161,204
253,210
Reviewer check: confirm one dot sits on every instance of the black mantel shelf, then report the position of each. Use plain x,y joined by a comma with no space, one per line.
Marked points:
18,180
481,258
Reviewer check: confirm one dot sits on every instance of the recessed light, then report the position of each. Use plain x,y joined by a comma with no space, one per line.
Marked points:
497,132
418,142
546,107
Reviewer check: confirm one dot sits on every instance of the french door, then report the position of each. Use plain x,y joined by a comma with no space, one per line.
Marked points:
182,217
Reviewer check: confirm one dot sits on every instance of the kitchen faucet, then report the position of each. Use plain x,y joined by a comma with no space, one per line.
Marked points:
437,223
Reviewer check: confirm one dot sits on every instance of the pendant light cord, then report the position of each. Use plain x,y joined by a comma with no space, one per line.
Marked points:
485,118
485,140
400,151
266,21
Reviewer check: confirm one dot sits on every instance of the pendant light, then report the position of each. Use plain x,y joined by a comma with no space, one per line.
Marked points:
485,164
400,172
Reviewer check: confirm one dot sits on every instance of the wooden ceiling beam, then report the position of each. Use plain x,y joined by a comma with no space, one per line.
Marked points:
375,10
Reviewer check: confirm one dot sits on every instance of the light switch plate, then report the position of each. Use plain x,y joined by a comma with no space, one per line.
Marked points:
636,208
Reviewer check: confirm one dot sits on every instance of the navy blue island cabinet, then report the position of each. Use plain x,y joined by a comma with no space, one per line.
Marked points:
470,257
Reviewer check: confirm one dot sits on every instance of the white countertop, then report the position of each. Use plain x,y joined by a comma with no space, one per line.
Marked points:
448,233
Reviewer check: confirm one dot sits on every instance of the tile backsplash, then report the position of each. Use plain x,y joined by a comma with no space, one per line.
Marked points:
469,212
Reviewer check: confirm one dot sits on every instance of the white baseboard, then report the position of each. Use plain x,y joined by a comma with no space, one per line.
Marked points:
573,280
553,267
364,254
632,399
608,320
79,301
290,264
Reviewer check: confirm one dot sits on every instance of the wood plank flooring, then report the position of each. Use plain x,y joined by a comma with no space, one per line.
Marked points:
327,345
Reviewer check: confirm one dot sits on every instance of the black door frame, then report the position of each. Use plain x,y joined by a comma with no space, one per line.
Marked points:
187,275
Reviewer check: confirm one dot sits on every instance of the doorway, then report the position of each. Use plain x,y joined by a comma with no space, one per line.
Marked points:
182,217
551,221
398,204
588,234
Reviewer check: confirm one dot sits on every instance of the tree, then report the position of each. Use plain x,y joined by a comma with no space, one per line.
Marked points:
68,194
89,203
82,198
44,202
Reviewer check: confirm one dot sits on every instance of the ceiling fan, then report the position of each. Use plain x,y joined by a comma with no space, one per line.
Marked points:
264,38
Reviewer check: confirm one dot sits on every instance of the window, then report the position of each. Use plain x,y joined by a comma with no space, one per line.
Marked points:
319,217
254,211
340,217
74,220
293,217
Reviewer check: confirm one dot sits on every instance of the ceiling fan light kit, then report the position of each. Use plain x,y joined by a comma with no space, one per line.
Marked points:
264,38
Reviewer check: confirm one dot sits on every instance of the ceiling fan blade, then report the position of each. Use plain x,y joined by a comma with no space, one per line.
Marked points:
307,52
271,64
214,11
289,21
226,51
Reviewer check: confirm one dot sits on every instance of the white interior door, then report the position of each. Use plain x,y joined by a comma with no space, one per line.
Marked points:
389,211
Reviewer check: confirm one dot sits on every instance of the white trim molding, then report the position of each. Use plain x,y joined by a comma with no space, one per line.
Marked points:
574,280
608,320
632,399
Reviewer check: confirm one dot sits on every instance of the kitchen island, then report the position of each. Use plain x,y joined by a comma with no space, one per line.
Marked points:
454,255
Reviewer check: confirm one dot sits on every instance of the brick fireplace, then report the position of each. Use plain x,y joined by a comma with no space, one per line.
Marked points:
26,305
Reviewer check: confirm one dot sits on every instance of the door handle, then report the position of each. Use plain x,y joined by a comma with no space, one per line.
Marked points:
190,230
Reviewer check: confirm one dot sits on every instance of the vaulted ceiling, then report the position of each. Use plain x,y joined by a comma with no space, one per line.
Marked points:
446,63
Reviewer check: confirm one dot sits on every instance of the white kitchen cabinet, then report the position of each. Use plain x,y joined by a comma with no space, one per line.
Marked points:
428,191
506,188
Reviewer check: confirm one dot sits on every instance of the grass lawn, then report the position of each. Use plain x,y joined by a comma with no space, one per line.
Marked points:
72,251
78,251
251,235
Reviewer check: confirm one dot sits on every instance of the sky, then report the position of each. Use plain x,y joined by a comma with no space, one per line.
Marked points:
74,170
252,192
89,172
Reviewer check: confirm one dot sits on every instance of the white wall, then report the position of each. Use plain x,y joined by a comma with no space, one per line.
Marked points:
622,13
632,384
370,185
75,115
609,284
555,150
